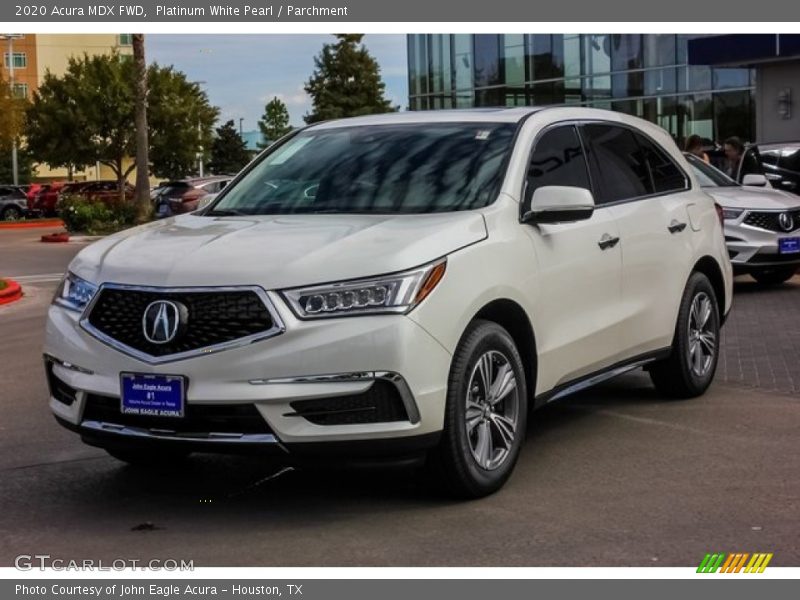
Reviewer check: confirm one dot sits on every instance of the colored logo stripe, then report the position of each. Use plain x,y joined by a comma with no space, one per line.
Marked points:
735,562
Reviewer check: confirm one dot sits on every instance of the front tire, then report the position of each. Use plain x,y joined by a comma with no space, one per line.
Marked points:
774,276
485,414
690,368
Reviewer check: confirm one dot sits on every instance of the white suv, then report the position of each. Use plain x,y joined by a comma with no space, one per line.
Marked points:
397,286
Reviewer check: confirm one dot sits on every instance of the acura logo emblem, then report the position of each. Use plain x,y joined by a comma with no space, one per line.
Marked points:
162,320
786,221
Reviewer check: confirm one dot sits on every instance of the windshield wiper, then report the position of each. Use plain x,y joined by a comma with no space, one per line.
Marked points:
225,213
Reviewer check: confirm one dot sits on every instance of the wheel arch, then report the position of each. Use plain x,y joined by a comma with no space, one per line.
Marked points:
513,318
709,267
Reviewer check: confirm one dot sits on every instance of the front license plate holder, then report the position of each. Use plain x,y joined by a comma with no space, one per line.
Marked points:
152,395
789,245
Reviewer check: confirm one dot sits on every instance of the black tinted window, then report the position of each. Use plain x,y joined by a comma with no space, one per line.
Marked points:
666,175
557,160
619,166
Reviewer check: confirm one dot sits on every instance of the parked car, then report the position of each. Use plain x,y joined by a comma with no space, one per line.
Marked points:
183,196
776,165
31,191
44,203
762,225
781,164
13,203
105,191
397,286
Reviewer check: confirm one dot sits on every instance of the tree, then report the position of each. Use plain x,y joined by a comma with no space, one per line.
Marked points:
12,118
94,106
181,122
228,150
346,82
12,114
140,106
274,122
55,128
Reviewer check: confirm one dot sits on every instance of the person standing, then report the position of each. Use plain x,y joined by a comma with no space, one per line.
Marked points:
694,145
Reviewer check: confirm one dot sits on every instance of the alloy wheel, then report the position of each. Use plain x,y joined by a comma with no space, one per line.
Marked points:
492,410
702,347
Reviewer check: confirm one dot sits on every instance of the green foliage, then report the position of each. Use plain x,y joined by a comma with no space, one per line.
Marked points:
12,114
95,217
228,151
25,168
181,122
346,82
88,116
274,122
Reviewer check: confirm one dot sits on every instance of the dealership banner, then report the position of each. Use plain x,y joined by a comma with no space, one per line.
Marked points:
343,11
419,589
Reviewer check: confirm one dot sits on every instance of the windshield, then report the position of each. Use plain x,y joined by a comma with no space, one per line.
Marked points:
408,168
708,176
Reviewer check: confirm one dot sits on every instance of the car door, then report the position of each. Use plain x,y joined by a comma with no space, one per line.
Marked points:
652,215
579,265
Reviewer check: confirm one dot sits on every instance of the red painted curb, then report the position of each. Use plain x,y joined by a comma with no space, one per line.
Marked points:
31,224
58,238
11,293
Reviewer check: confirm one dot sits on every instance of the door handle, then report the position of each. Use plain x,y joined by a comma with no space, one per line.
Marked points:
676,227
607,242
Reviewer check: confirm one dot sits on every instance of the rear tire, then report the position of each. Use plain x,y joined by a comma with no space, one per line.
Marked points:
690,368
151,459
774,276
484,423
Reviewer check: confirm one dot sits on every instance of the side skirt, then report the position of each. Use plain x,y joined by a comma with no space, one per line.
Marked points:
592,379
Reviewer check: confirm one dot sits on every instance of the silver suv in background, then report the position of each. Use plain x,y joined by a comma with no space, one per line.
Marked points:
762,225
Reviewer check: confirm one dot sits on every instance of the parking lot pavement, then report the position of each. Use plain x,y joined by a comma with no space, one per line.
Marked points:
614,476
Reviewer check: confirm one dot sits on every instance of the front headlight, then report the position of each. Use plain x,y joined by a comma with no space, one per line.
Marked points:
74,293
395,293
731,214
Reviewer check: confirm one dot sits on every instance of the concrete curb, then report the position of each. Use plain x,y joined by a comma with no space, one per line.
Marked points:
31,224
11,293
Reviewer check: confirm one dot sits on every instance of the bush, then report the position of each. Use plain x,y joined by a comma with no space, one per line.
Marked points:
95,217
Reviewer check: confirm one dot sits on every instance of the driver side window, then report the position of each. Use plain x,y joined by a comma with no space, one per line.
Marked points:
557,159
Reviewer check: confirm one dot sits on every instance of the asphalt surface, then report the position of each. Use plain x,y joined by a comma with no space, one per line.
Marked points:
613,477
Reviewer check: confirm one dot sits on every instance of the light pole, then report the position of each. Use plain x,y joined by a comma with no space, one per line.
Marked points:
11,37
200,166
240,126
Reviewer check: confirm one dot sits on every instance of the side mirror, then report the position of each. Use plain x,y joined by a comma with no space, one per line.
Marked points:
559,204
754,179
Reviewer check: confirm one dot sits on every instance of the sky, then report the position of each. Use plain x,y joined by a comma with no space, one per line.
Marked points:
243,72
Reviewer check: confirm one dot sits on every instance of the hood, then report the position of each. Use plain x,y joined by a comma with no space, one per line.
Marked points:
274,251
751,197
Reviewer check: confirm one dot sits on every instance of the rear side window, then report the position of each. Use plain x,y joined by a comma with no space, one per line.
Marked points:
667,176
619,166
557,159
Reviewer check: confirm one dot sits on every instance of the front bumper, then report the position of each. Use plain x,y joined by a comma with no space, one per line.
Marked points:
752,249
310,360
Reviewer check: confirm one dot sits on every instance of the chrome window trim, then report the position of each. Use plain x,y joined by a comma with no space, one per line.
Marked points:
277,328
390,376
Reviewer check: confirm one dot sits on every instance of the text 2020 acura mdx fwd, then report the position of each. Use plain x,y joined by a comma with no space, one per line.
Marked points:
395,286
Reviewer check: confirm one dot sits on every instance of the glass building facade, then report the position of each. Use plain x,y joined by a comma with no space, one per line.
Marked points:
646,75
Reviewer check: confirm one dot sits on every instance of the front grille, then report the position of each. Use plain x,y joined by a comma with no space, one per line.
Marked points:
198,418
381,403
212,318
59,390
769,220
